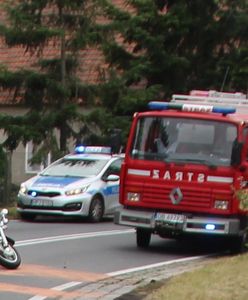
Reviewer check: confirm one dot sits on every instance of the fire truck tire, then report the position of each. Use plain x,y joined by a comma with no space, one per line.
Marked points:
239,244
143,237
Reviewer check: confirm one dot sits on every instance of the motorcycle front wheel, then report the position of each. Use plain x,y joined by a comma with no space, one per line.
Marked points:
10,258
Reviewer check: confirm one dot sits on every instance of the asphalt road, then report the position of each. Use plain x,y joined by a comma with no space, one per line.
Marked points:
60,254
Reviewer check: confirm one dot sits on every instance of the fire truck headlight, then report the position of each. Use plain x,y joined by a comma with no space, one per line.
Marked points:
134,197
221,204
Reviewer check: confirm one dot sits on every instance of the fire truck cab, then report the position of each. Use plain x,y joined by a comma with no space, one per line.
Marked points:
185,170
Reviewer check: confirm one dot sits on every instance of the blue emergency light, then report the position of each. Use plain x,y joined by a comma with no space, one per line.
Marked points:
92,150
156,105
210,226
79,149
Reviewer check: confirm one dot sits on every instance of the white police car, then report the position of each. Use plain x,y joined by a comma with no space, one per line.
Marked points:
84,184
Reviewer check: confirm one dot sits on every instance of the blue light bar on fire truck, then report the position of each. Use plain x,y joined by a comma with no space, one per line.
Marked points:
92,150
156,105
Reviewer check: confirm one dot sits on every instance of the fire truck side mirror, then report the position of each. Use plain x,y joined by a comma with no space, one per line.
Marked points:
236,153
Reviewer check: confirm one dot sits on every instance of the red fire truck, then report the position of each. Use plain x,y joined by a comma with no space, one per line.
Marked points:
186,169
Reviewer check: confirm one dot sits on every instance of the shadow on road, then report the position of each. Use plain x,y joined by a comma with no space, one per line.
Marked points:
63,219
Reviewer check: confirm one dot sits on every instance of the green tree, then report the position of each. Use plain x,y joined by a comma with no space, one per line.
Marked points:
51,87
172,46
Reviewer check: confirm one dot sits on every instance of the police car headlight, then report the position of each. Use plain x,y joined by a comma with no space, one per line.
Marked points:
23,189
76,191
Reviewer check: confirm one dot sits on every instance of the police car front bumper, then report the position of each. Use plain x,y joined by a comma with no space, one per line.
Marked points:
177,222
63,206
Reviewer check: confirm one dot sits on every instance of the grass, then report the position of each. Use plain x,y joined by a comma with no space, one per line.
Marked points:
12,213
224,279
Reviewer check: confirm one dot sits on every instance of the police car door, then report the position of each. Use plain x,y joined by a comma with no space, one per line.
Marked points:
111,177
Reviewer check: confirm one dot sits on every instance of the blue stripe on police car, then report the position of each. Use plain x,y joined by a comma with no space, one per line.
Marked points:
52,181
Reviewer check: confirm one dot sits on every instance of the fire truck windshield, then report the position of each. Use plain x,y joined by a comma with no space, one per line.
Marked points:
184,140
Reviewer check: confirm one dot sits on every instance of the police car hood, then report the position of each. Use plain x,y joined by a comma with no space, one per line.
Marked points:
58,181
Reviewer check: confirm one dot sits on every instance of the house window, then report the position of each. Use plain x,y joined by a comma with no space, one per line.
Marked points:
31,150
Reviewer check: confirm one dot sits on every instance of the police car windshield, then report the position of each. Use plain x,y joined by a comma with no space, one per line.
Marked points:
172,139
75,167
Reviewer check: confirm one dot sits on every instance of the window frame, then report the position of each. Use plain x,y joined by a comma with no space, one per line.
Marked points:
29,153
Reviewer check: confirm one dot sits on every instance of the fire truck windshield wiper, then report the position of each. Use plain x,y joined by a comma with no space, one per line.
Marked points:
202,161
191,160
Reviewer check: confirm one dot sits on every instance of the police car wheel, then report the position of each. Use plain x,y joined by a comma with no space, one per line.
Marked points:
27,217
96,210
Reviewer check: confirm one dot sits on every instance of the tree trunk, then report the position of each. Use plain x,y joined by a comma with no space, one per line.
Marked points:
7,179
63,131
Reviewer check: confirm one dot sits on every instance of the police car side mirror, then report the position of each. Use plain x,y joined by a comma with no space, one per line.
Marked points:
236,153
112,177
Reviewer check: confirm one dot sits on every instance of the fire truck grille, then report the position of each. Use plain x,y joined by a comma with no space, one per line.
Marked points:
193,198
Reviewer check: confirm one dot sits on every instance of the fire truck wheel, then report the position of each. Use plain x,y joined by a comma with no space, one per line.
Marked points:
143,237
239,244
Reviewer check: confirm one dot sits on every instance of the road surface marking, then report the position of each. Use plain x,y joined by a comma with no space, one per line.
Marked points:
78,278
59,238
58,288
44,293
161,264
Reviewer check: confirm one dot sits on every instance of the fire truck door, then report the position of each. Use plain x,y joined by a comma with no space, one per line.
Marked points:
245,155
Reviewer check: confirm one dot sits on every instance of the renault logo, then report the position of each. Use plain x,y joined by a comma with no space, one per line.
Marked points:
176,196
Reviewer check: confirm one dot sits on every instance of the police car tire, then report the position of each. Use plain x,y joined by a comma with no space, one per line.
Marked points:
27,217
143,237
96,210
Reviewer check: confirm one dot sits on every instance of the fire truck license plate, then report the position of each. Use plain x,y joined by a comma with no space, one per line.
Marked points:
169,218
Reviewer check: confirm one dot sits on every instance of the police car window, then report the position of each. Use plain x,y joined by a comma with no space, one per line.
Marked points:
114,168
75,167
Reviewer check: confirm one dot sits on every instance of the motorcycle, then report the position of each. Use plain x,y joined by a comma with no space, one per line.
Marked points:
9,256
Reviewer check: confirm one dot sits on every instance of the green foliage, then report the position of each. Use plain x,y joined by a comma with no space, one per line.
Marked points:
10,80
242,196
51,86
28,37
158,48
180,45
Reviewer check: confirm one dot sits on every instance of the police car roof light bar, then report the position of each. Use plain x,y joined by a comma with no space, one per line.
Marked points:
80,149
156,105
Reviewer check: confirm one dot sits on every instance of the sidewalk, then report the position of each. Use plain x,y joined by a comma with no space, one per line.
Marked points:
124,287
